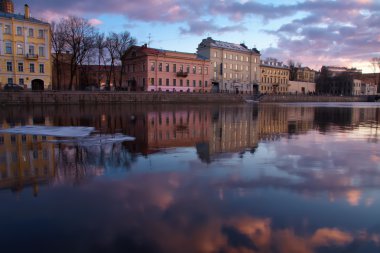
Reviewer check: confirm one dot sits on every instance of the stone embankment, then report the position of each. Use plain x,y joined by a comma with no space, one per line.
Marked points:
310,98
73,98
68,98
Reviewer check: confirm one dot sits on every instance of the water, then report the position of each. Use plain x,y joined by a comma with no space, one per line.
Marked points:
252,178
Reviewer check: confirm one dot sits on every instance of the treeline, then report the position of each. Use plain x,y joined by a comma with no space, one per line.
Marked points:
77,44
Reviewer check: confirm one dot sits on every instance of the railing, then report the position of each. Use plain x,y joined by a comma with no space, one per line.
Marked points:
32,56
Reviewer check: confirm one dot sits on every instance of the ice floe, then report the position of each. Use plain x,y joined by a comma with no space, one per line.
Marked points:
96,140
65,132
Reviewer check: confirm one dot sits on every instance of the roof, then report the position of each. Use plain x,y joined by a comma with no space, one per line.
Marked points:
21,18
147,50
230,46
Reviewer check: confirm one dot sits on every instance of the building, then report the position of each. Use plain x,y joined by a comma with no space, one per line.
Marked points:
305,74
296,87
339,81
86,77
235,67
24,49
274,76
149,69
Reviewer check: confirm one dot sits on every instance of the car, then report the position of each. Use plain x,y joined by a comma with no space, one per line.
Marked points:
13,87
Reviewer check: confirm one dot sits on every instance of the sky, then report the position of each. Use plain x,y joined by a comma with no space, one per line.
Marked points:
311,32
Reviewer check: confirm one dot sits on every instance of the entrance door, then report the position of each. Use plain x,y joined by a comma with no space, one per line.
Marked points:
37,84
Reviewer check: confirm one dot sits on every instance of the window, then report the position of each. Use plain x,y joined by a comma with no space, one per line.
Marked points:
20,49
160,81
206,71
42,68
214,64
10,80
200,70
187,83
215,54
194,69
20,67
7,29
206,83
160,67
9,67
19,31
174,82
152,81
225,56
215,75
181,68
31,32
31,49
41,51
8,47
152,66
188,69
194,83
200,83
167,82
180,82
40,33
167,67
31,68
21,81
174,68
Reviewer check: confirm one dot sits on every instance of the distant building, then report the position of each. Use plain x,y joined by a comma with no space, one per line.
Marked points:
339,81
296,87
235,67
274,76
25,49
305,74
149,69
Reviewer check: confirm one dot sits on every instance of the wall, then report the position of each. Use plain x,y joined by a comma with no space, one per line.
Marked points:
114,97
296,87
306,98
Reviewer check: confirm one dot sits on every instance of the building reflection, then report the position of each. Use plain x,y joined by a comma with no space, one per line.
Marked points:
212,130
25,160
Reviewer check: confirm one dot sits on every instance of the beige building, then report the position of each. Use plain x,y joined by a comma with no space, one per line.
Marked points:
234,67
305,74
24,49
296,87
274,76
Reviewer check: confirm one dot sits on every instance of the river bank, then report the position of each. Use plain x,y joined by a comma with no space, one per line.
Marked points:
86,97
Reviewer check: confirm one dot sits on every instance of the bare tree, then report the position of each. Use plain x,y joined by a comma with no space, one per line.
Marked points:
80,37
111,46
293,66
123,41
58,45
100,46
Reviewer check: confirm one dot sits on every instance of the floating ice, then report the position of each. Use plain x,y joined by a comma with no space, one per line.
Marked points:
96,140
66,132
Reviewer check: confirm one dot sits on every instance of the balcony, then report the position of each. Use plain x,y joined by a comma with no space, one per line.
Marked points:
182,74
32,56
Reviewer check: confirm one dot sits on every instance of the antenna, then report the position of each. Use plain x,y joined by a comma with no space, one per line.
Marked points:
149,39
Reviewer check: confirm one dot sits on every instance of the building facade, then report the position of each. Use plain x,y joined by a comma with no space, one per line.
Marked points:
24,50
149,69
296,87
274,77
305,74
234,67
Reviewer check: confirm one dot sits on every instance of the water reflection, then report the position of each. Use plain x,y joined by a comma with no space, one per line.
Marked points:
202,178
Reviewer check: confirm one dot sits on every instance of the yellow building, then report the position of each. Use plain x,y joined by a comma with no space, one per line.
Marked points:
24,49
274,77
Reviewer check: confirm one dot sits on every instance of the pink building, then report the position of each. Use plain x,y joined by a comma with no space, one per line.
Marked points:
149,69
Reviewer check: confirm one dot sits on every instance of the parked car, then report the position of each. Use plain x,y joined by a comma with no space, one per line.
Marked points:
13,87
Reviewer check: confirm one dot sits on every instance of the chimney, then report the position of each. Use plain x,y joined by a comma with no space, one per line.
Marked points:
27,11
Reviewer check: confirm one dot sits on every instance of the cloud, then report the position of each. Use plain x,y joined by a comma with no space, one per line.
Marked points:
95,22
203,27
342,32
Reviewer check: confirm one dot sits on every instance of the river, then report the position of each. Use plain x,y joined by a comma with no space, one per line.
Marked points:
289,178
